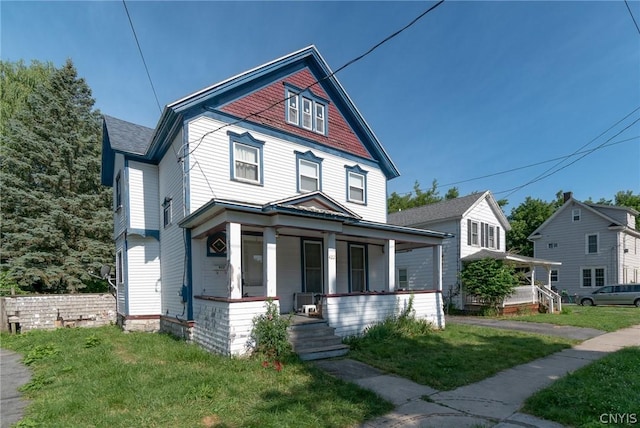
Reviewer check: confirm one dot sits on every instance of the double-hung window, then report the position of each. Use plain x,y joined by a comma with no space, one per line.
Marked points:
475,233
246,158
491,236
309,169
593,276
356,185
306,110
592,244
166,212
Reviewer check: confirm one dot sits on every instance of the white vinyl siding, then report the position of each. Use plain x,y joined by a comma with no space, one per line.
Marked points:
279,173
172,246
143,277
144,202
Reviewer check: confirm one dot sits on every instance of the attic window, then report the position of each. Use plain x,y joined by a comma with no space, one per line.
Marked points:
306,110
575,214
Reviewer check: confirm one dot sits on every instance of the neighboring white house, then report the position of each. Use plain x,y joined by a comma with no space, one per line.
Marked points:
597,245
479,226
268,185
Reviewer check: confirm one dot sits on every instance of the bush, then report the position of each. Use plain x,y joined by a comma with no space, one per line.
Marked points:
489,279
270,333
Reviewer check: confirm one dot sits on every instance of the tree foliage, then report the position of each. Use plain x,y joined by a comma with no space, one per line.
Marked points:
56,216
624,199
524,219
422,197
489,279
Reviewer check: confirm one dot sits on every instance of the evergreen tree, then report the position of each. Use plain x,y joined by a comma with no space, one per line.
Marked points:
56,217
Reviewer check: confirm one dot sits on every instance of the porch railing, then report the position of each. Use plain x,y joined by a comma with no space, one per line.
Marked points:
524,294
550,298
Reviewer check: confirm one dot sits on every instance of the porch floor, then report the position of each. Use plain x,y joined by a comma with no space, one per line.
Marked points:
299,319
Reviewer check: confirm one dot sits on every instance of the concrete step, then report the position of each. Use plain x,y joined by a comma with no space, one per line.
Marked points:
324,352
301,346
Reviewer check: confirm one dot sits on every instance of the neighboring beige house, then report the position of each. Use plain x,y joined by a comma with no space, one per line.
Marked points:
268,185
597,245
479,226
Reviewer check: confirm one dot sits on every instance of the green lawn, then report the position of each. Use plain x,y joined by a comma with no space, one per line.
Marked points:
446,359
607,318
604,393
104,378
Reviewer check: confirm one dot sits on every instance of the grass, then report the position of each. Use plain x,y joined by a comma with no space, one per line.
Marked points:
104,378
446,359
607,318
604,393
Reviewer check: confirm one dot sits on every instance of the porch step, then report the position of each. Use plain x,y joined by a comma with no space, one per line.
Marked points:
316,340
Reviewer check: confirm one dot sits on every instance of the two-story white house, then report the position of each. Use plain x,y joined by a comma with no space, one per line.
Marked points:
479,226
268,185
597,245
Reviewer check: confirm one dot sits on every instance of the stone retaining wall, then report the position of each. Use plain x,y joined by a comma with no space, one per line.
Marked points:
48,311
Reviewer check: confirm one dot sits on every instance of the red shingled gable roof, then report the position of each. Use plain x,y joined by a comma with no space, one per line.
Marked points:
340,136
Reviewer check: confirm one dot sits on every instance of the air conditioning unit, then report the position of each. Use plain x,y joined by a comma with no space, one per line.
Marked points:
300,299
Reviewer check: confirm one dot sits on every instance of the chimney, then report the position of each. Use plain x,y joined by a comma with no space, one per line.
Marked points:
567,196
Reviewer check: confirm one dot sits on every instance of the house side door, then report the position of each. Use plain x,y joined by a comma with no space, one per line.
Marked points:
312,271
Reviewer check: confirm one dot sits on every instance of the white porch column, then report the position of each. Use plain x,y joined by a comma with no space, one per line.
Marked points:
437,267
234,260
269,271
390,251
330,270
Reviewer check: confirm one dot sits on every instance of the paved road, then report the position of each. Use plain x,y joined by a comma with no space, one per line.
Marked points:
13,375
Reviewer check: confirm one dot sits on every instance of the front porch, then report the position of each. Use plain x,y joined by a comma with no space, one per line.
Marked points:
345,266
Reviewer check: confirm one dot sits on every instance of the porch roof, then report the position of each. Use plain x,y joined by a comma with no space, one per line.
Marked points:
218,211
517,258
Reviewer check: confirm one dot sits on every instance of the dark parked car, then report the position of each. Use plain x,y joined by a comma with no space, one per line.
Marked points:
618,294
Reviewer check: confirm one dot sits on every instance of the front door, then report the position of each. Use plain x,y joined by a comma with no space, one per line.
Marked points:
312,267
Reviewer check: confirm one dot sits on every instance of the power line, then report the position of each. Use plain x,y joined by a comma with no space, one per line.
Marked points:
632,17
348,63
533,164
135,36
541,177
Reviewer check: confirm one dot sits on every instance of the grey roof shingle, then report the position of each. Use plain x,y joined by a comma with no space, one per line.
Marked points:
450,208
127,137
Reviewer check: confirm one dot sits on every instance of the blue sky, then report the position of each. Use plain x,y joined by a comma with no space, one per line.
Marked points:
472,89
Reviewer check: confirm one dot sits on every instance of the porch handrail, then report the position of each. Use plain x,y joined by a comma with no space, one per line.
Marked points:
553,299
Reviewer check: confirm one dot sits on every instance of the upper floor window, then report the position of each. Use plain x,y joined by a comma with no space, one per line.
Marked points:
118,192
491,236
166,212
306,110
475,233
356,185
246,158
552,245
575,214
309,172
592,243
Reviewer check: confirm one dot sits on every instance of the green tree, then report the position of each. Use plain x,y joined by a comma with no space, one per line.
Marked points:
56,217
624,199
490,280
419,197
527,217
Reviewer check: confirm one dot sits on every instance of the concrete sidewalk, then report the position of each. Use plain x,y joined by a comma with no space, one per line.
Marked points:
492,402
13,374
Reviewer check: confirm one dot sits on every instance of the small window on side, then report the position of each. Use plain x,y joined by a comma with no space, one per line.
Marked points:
576,214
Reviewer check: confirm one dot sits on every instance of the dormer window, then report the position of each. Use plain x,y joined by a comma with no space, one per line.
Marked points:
306,110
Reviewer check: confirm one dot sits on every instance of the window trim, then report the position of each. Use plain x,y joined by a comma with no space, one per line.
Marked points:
247,140
292,92
594,277
311,158
119,267
356,170
476,235
576,215
365,268
118,190
167,212
406,281
586,243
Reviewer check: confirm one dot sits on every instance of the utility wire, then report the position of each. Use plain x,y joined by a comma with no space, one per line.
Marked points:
632,17
541,177
532,165
348,63
135,36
